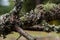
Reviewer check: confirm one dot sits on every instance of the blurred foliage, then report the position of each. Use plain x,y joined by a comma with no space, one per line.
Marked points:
54,1
51,1
6,9
28,5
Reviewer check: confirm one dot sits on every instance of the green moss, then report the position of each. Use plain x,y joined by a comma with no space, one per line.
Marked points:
56,22
49,6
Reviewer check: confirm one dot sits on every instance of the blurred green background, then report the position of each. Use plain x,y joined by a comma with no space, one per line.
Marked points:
6,9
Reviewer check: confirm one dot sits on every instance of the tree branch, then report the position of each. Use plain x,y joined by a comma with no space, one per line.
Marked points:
26,35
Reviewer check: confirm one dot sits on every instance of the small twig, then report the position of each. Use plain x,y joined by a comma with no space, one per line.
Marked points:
19,37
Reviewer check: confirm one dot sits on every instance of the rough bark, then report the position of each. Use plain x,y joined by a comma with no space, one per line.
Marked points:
34,28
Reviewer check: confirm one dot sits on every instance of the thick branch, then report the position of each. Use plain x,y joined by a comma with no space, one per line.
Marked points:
26,35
